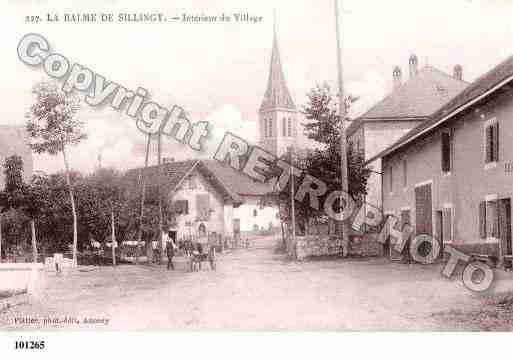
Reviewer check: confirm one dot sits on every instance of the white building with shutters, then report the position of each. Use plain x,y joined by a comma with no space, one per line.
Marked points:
451,177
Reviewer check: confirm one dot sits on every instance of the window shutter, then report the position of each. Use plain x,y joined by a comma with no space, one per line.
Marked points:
496,141
495,219
488,143
203,206
482,220
446,152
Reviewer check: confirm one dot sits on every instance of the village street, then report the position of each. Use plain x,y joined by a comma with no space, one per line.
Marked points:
255,288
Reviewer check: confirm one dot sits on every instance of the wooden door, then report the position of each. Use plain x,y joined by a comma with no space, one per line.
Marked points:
424,216
505,227
423,210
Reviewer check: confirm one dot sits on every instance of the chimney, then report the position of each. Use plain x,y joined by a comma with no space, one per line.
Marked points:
168,159
397,76
414,65
458,72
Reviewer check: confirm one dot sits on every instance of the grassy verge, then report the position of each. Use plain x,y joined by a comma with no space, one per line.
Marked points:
494,314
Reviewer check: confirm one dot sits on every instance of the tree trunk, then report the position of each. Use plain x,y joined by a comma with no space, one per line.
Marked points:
113,243
34,243
143,197
73,209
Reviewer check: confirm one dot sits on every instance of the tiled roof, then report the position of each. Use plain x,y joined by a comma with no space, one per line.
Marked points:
172,173
231,183
494,77
237,181
419,97
277,94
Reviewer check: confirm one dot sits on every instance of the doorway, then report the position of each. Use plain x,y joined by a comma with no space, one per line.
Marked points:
504,215
424,216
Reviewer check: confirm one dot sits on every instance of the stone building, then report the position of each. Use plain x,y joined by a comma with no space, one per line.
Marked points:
409,104
451,176
208,197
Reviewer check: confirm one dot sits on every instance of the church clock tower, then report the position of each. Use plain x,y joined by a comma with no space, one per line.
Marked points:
277,114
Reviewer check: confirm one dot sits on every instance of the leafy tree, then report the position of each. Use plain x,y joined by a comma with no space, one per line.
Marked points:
321,111
323,126
19,196
53,125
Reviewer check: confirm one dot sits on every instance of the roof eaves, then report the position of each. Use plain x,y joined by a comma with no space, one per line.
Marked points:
408,138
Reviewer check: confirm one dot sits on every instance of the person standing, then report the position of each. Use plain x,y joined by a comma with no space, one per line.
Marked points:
170,251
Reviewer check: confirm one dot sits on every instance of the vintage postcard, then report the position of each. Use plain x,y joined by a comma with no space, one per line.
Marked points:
336,165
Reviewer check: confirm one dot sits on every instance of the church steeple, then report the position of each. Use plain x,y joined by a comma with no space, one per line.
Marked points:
277,94
277,114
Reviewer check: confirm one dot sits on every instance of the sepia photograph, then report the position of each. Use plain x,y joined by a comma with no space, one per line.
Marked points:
194,167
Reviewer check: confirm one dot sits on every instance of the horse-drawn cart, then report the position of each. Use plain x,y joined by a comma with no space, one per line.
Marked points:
202,253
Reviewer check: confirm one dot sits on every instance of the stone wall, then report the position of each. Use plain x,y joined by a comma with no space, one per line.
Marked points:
330,245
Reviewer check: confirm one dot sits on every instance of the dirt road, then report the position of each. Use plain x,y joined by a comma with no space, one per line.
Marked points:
252,289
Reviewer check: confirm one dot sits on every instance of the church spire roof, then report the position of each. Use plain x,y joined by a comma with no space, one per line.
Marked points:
277,94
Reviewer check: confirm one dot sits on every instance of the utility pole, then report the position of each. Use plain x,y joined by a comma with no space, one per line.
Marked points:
113,228
342,117
292,190
142,178
160,245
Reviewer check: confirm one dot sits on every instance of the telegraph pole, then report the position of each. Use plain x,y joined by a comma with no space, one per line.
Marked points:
113,234
292,190
342,117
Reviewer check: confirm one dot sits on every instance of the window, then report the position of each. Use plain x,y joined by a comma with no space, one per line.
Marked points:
203,206
492,142
181,207
264,127
255,213
284,127
446,151
290,127
405,173
488,219
270,133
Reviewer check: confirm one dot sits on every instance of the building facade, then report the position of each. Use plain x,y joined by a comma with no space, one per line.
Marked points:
409,104
451,177
206,198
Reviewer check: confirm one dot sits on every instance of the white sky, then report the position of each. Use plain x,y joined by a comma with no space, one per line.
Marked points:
218,72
